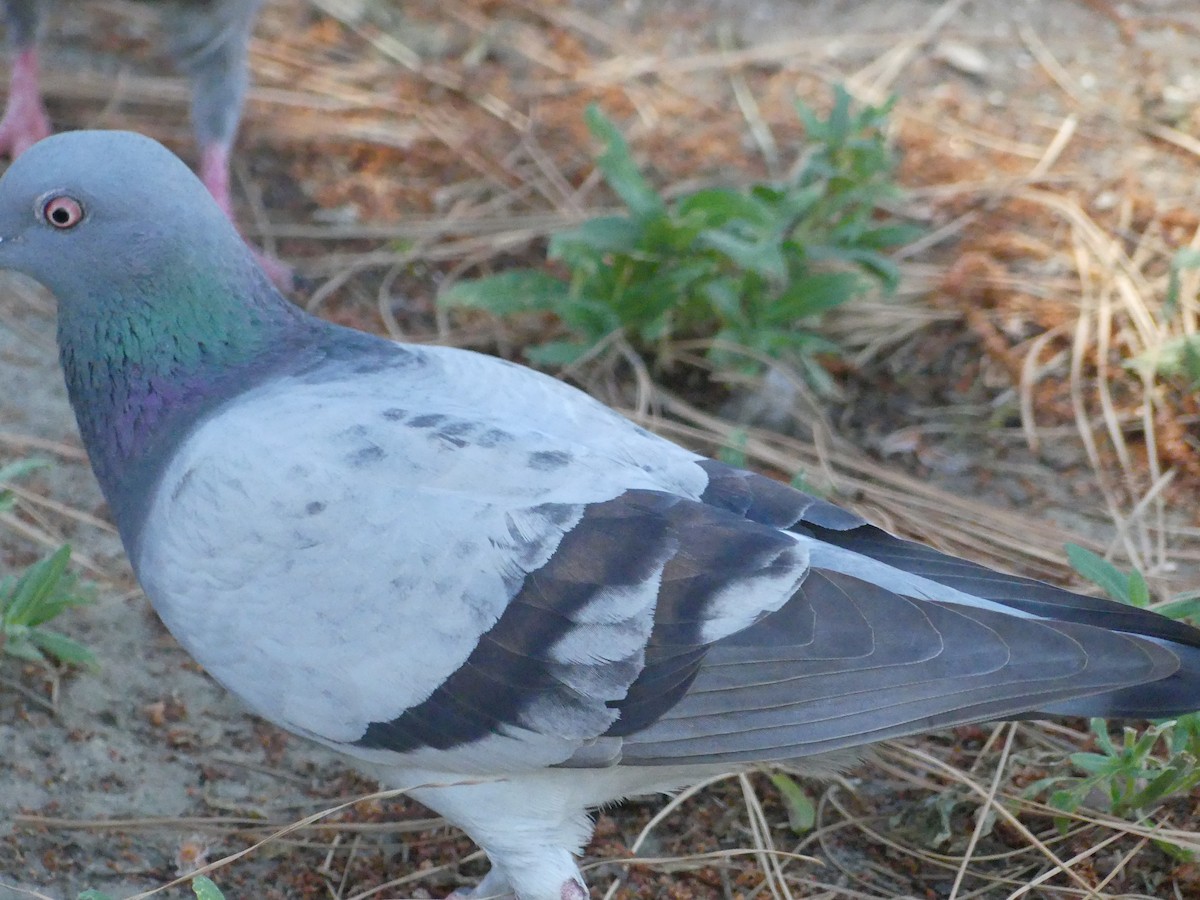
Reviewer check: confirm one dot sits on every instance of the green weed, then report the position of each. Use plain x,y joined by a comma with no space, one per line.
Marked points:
202,887
29,600
797,802
1131,775
742,268
1177,357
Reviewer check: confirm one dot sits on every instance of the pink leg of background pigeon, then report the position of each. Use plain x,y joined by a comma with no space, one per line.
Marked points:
214,172
25,121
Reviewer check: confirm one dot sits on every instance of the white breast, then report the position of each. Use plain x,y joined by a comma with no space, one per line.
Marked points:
331,557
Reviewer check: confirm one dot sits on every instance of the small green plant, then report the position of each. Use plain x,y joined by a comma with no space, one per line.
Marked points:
1185,258
1131,775
1125,588
752,268
734,451
202,887
12,472
1177,357
1128,587
799,805
29,600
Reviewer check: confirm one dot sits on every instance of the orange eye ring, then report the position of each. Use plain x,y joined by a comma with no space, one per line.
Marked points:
62,212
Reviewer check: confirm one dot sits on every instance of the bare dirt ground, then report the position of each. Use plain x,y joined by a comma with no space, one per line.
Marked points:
390,147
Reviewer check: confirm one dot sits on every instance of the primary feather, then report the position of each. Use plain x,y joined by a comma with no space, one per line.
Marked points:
469,576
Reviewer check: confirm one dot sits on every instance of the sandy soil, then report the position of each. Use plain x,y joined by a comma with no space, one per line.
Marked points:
115,779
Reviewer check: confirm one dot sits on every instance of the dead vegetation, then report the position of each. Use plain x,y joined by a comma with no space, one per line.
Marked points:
391,148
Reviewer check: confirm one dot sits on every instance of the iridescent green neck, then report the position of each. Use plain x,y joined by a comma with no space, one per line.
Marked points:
144,368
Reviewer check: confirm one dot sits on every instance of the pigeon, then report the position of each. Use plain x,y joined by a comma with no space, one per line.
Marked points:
207,39
481,584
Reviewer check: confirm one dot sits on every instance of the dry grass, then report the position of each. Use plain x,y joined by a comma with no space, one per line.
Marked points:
450,137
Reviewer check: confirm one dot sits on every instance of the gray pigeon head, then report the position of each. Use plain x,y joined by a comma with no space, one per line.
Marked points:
163,312
111,212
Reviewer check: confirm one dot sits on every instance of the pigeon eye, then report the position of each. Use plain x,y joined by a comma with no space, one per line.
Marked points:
62,212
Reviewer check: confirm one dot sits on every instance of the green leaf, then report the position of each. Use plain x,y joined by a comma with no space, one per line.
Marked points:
607,234
813,294
521,290
66,596
21,467
801,811
761,257
800,207
62,648
1141,744
1138,592
1172,851
619,169
725,300
1187,608
733,453
1067,801
590,318
1033,789
1166,782
1181,736
820,379
894,234
1184,258
800,481
34,586
1191,363
871,262
204,889
716,207
1178,356
1100,572
22,648
1094,763
557,353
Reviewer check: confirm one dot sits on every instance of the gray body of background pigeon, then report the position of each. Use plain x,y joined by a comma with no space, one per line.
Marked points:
207,40
469,576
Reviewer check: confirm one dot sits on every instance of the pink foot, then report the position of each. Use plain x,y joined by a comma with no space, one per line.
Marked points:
25,121
280,273
571,890
494,885
214,172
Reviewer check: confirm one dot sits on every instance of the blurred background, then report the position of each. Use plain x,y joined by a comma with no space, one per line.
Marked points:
936,261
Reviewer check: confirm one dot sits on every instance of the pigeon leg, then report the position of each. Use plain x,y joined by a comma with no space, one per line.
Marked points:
494,885
531,844
214,172
571,890
25,121
208,42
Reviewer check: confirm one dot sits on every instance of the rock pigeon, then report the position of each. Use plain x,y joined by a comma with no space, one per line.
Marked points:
477,581
207,39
